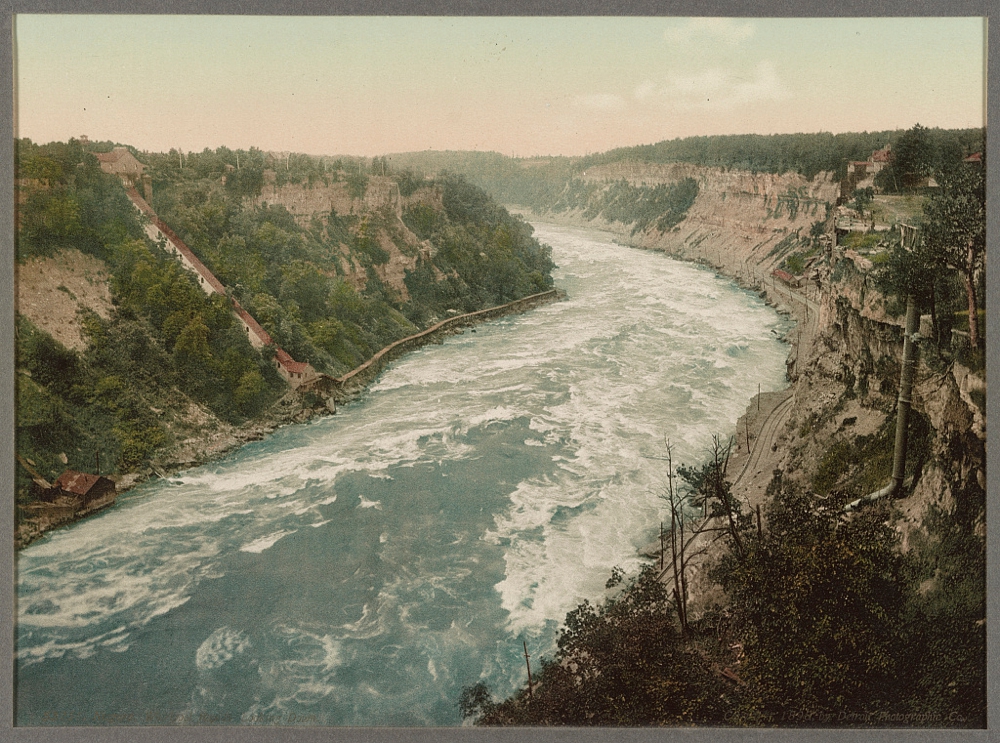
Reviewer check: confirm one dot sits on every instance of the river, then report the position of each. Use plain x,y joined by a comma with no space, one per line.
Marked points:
362,568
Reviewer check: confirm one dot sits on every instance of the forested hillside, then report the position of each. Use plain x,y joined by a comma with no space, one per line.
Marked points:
166,346
540,182
292,277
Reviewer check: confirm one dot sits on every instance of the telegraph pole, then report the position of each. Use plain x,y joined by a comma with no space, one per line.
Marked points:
531,693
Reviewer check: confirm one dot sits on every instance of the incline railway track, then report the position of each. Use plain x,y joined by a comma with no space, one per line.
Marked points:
767,436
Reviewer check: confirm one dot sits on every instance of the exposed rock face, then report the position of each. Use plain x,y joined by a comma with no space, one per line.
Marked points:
378,214
737,220
945,394
737,224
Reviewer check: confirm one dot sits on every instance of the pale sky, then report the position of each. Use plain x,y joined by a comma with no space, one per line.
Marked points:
522,86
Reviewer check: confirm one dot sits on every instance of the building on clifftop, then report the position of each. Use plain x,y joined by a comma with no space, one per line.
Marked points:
122,163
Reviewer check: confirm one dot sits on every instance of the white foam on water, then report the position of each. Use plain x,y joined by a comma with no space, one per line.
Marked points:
220,647
263,543
648,349
58,646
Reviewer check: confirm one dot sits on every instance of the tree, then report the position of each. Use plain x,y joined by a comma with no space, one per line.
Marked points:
684,533
955,232
913,158
622,662
818,603
862,199
905,272
711,489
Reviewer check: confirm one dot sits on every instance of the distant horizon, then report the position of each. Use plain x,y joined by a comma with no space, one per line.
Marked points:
521,87
121,143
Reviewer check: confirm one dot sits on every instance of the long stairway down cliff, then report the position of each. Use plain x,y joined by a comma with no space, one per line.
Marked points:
296,373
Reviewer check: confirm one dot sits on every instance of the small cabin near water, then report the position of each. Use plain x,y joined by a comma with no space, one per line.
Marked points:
90,492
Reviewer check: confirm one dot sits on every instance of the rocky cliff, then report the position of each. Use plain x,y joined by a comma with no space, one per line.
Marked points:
831,431
738,219
376,214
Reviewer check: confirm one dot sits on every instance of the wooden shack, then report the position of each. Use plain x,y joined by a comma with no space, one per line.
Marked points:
90,492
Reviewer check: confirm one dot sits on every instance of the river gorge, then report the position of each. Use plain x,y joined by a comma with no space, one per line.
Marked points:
362,568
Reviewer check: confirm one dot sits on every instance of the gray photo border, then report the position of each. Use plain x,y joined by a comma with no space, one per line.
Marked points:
759,8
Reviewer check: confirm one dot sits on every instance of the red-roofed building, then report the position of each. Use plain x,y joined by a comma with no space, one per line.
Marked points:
881,158
257,336
90,491
294,372
975,158
158,231
785,276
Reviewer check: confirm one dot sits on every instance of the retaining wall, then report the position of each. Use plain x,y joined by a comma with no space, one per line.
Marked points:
366,372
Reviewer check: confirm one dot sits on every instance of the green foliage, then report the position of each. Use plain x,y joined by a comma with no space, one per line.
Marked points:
863,198
943,268
913,158
66,201
357,183
807,154
484,256
423,220
713,492
946,619
534,182
75,407
409,182
861,241
620,663
476,701
795,263
831,467
862,464
285,275
955,228
817,605
368,247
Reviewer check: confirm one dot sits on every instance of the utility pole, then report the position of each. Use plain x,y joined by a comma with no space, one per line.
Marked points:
531,693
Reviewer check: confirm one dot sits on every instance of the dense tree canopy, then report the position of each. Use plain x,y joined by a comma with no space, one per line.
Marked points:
288,276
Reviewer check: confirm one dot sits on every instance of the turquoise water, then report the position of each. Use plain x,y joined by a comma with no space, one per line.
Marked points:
361,569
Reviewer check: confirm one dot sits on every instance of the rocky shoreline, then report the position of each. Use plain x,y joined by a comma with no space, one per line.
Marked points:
840,329
292,408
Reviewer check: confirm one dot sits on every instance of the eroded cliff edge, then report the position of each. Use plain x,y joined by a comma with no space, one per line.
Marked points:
830,431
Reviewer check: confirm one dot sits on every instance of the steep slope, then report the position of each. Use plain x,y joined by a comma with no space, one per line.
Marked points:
52,291
846,350
379,217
